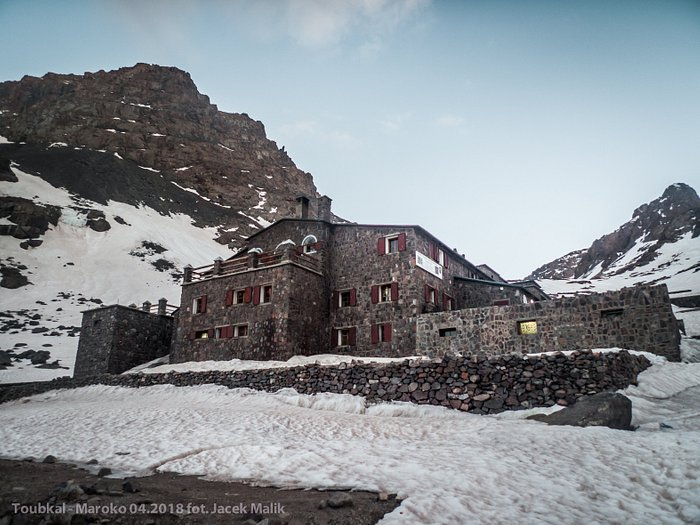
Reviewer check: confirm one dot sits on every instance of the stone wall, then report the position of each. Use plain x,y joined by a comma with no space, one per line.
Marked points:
475,384
115,338
638,318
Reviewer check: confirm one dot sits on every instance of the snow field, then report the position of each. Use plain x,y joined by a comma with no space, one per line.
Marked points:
450,467
101,267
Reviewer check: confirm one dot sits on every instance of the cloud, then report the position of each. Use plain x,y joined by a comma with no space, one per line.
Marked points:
449,121
325,23
396,121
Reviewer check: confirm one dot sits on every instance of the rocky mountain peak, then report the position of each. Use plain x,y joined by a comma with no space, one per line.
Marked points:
636,243
150,117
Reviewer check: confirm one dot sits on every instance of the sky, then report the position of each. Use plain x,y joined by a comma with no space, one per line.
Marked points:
515,131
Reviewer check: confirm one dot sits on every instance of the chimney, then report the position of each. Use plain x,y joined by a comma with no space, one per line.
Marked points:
302,207
324,208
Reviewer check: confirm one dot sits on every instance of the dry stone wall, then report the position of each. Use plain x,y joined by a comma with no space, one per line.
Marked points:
637,318
475,384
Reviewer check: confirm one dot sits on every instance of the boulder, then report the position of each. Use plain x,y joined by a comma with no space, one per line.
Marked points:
607,409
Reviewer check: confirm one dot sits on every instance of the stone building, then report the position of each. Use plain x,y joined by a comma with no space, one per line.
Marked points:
311,284
308,285
115,338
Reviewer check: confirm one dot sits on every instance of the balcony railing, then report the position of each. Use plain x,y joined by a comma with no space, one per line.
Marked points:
252,261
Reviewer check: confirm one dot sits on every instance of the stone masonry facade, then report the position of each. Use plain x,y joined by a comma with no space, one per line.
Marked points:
638,318
308,286
117,338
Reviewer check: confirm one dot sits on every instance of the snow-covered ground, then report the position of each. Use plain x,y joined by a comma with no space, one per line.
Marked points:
238,364
77,262
450,467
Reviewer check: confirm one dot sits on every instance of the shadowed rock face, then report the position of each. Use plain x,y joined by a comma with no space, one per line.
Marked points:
600,410
154,117
664,220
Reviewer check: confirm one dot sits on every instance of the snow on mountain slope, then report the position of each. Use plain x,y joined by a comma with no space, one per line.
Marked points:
76,268
677,265
660,244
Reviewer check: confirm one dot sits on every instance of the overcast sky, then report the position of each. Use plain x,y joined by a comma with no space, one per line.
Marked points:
516,131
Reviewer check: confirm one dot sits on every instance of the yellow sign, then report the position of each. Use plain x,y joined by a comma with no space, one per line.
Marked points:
527,327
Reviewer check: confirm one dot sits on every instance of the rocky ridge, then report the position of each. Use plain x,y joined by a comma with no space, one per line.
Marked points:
97,134
634,244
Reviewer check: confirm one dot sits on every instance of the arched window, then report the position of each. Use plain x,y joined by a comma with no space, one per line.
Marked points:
255,250
285,244
309,244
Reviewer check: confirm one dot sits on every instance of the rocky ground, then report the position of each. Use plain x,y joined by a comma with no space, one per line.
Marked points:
49,492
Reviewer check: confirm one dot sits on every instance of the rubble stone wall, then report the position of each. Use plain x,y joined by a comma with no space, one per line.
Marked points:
637,318
475,384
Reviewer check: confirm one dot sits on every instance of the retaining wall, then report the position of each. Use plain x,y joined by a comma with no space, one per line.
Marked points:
474,384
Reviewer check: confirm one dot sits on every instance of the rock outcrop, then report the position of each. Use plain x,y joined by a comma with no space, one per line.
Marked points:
99,132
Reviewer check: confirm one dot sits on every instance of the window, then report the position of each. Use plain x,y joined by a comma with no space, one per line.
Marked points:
447,332
448,303
344,336
199,305
201,334
391,244
381,333
255,250
266,294
527,327
611,312
309,244
236,297
501,302
285,244
438,255
344,298
383,293
430,295
240,330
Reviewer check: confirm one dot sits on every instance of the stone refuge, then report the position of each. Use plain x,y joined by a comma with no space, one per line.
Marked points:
308,285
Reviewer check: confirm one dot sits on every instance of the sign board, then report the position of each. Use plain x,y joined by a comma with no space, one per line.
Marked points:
430,266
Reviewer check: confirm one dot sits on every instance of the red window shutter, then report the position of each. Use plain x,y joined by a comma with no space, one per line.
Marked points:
375,334
352,336
353,297
334,338
402,242
204,303
375,294
446,259
229,332
256,295
318,245
248,296
211,333
299,250
381,246
426,293
387,332
335,301
229,298
192,335
394,291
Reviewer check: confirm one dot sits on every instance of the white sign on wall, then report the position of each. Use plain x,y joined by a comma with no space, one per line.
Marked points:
430,266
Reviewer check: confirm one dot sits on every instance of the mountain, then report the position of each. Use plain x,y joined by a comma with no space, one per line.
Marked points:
660,244
110,183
